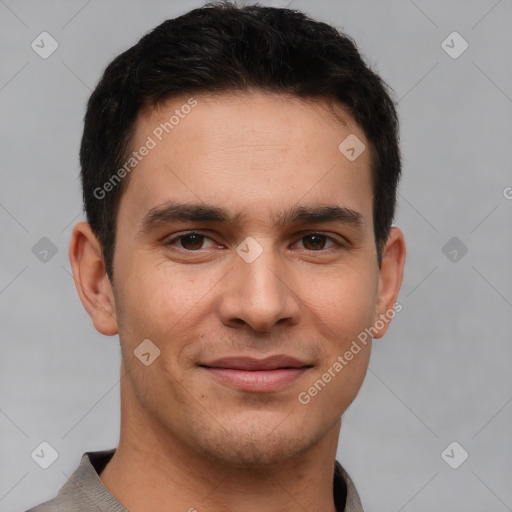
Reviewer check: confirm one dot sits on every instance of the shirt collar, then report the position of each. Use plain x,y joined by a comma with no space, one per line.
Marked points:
85,480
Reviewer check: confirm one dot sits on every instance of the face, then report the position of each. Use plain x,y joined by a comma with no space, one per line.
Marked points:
245,233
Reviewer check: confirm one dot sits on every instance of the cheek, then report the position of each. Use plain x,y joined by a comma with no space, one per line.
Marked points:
345,309
163,304
157,306
346,301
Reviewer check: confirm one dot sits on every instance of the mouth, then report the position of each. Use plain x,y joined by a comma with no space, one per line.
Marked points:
257,375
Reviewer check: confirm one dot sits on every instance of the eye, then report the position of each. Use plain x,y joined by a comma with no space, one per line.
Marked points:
189,242
316,241
194,242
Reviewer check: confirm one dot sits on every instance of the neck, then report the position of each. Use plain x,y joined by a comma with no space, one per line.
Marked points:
155,471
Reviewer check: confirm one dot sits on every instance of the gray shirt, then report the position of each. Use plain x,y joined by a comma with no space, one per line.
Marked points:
85,492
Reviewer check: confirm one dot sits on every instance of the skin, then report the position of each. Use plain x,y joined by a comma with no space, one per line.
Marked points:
188,440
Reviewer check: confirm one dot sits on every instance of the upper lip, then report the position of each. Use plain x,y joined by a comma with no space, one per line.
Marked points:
250,363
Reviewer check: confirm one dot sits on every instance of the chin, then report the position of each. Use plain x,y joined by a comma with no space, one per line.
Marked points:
249,446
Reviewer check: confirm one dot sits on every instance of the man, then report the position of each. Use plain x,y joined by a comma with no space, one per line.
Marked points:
239,172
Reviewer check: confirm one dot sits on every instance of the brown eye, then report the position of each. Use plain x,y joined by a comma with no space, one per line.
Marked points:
192,242
314,241
188,242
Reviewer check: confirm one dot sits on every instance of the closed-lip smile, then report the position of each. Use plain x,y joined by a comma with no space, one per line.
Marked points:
257,375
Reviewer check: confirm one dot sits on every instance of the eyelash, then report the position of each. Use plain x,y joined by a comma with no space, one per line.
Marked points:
169,243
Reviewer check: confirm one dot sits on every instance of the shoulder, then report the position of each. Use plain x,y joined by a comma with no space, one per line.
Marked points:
83,490
52,505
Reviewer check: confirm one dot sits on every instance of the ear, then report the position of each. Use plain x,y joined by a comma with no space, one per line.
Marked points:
91,279
390,280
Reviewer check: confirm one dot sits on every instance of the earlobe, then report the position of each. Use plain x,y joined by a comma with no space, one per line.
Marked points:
91,279
390,280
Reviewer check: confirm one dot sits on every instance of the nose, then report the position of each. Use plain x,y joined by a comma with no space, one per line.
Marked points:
259,293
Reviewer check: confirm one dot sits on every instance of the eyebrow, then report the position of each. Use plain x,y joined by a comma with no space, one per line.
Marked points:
194,212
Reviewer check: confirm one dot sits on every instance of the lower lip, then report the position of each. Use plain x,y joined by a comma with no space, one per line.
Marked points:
257,381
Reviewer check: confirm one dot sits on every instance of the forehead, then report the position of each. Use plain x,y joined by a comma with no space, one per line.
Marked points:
252,152
248,120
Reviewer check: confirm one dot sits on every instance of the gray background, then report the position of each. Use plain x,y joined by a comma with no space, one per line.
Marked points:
441,374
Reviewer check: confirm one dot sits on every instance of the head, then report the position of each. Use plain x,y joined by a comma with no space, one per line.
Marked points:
226,126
